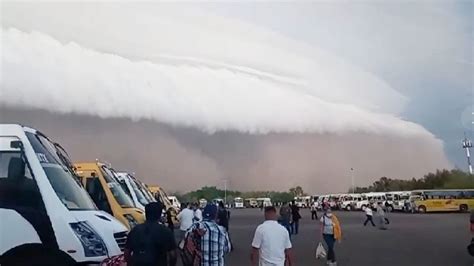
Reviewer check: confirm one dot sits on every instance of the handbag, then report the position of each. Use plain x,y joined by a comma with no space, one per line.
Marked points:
320,251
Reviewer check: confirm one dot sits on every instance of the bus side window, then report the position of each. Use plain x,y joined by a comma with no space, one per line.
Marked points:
94,188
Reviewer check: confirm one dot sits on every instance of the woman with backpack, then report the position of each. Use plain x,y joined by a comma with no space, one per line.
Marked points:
331,231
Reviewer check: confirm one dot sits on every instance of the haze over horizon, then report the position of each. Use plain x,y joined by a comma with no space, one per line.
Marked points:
186,95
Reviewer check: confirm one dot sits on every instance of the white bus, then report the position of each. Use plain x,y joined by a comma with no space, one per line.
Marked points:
174,201
375,198
303,202
238,203
46,215
398,200
264,202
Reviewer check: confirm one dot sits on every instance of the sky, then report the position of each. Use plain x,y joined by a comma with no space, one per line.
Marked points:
267,95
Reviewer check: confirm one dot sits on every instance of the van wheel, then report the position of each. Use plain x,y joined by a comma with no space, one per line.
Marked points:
422,209
349,208
463,208
390,209
35,255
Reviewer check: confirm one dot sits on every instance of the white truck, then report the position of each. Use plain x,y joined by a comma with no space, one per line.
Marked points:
46,215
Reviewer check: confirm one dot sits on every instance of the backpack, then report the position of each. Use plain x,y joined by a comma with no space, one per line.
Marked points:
145,254
191,248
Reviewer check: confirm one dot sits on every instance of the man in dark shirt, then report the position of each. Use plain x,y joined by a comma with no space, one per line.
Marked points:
151,243
295,214
223,216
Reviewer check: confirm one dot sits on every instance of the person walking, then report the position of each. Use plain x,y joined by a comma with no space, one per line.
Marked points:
285,216
212,239
314,211
185,218
331,232
382,220
169,219
223,216
271,245
197,213
295,216
150,243
369,216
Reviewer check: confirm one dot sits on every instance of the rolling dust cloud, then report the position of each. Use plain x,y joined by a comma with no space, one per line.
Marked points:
183,159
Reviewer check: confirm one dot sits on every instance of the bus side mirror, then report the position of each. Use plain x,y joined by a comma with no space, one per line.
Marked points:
16,144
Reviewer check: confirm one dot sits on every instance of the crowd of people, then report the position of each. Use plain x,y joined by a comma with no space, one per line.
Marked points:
203,236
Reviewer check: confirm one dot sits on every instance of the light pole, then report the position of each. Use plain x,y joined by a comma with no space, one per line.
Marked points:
467,144
352,180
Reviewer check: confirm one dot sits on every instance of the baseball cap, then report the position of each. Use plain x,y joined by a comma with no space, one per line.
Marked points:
210,211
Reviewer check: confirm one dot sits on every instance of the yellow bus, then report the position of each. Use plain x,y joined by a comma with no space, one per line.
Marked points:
443,200
109,196
161,196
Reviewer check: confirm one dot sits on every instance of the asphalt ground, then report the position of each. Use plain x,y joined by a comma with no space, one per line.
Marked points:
411,239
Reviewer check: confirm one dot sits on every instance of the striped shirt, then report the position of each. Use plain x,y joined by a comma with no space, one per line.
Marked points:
214,243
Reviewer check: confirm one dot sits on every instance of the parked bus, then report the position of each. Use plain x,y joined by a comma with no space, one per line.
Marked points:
443,200
303,202
132,188
251,203
397,200
174,201
238,203
375,198
107,193
264,202
46,215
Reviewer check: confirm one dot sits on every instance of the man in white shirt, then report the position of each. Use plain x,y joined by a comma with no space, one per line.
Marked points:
369,214
197,213
185,218
271,245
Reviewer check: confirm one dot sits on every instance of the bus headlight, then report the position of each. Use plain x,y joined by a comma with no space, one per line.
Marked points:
90,240
131,221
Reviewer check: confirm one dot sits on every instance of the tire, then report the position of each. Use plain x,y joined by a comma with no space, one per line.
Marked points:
463,208
35,255
349,208
390,208
422,209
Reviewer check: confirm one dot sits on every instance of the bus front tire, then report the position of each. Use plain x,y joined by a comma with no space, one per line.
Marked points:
463,208
422,209
35,255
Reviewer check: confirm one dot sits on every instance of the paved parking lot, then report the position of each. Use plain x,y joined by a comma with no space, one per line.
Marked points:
412,239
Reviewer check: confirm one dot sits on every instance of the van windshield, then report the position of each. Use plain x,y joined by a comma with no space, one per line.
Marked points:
140,196
64,183
119,194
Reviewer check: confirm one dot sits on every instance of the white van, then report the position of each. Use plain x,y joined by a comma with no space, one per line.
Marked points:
45,213
133,189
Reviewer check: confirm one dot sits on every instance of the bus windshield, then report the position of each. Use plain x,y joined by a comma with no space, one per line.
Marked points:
119,194
63,181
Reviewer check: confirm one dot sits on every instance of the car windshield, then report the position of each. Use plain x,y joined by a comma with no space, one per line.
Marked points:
119,194
64,183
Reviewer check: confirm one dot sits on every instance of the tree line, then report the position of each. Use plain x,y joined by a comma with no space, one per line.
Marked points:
441,179
212,192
